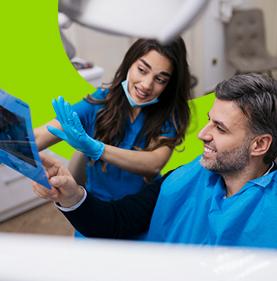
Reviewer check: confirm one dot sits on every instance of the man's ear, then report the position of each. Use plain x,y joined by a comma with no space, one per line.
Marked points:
260,145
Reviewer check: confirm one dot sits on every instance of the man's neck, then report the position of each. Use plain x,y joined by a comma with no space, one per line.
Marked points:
235,181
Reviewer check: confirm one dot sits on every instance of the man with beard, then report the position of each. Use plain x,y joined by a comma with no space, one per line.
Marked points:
227,196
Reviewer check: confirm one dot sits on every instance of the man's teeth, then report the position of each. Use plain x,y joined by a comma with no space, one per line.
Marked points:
206,149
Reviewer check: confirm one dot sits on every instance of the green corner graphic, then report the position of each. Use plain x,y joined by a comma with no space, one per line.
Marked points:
35,68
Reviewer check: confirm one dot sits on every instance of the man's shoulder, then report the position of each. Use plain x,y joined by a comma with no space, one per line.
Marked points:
193,167
186,175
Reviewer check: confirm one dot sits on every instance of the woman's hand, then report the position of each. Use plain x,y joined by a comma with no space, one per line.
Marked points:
73,132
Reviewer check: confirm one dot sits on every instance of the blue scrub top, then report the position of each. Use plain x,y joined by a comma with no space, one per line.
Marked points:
115,183
192,209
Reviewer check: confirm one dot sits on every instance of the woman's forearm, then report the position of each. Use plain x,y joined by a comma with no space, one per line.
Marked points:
43,137
145,163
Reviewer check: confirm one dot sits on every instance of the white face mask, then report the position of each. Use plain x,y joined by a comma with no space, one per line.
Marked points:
132,102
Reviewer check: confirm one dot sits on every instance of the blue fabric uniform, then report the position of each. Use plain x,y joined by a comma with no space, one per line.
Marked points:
115,182
192,209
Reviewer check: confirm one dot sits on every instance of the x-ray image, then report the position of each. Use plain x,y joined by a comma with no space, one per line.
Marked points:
18,149
13,136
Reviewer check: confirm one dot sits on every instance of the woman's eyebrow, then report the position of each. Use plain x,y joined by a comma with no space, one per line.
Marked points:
149,66
146,63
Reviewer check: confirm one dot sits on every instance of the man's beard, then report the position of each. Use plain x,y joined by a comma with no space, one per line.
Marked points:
229,162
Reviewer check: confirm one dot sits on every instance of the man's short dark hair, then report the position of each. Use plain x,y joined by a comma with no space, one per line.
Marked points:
256,96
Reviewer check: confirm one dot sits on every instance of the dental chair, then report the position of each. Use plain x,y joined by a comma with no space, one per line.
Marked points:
246,43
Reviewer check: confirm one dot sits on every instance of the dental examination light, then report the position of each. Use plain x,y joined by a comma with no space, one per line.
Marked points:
159,19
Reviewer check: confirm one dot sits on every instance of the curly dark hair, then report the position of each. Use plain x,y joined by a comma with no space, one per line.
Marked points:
172,105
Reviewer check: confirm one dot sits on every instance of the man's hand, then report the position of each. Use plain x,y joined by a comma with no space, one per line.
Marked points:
64,189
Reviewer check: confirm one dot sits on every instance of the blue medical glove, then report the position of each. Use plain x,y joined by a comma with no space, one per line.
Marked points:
73,132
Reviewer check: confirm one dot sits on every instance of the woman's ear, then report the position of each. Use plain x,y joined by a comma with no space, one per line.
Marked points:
260,145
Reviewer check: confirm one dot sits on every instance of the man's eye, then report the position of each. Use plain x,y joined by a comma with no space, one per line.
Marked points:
220,129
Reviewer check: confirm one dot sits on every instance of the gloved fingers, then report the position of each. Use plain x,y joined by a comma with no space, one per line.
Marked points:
72,131
61,109
69,134
74,124
59,115
68,110
58,133
77,124
68,114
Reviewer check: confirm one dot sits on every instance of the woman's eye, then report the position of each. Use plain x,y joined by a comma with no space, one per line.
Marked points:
161,81
141,70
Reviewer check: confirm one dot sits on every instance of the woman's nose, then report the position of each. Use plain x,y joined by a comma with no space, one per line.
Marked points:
147,83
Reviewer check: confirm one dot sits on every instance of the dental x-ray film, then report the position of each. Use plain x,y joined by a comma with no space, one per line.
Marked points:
18,149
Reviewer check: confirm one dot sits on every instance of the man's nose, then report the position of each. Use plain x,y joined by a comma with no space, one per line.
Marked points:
205,134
